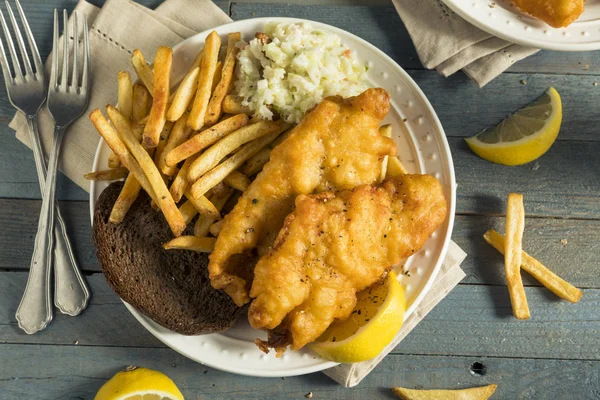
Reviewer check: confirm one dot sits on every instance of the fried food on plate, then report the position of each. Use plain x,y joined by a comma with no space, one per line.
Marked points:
556,13
333,245
336,146
476,393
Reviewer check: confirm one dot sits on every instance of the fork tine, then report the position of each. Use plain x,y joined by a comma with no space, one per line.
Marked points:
64,78
8,79
20,42
37,60
54,67
11,48
75,78
85,77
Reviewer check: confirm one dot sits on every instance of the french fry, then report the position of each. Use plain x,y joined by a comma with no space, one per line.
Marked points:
143,70
215,110
219,199
395,167
233,105
163,197
194,243
385,130
113,160
219,173
256,163
203,206
215,228
212,45
180,133
180,183
141,102
216,78
476,393
204,139
107,174
125,94
549,279
159,150
129,192
213,155
162,76
183,95
515,224
114,142
237,180
188,211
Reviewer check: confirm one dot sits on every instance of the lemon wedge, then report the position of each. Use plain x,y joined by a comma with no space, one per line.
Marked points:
139,384
376,319
523,136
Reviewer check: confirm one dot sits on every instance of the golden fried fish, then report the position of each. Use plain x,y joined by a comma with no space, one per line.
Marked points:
334,245
556,13
336,146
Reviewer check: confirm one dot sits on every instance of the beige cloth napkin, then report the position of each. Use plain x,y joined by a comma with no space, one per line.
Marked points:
448,43
115,31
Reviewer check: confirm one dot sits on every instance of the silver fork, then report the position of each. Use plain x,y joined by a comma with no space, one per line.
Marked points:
27,93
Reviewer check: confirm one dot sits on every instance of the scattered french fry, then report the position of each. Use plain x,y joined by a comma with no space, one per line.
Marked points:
180,133
203,206
143,70
129,192
180,183
476,393
107,174
385,130
204,139
213,155
515,225
162,77
212,45
194,243
114,142
125,94
217,174
215,228
237,180
141,102
233,105
219,199
549,279
163,197
215,110
183,95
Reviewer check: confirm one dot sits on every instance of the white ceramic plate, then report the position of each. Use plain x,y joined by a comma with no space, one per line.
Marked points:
500,18
423,149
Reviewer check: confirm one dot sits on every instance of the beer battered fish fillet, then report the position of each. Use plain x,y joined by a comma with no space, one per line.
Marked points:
334,245
556,13
336,146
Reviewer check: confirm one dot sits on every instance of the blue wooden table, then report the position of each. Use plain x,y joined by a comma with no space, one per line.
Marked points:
469,339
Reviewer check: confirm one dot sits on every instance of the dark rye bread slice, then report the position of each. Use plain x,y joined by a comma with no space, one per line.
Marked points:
171,287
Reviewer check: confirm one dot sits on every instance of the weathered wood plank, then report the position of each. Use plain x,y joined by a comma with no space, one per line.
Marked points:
78,372
472,320
562,183
577,261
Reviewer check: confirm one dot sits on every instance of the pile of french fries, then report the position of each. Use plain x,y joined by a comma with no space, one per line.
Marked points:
190,150
516,259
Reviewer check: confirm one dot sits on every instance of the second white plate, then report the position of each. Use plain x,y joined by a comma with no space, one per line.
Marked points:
500,18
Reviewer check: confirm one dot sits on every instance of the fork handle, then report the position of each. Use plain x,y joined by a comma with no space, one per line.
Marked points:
71,293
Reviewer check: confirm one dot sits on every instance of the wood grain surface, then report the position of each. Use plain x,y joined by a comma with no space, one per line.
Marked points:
554,355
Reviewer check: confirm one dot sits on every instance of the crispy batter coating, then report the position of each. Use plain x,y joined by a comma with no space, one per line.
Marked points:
334,245
336,146
556,13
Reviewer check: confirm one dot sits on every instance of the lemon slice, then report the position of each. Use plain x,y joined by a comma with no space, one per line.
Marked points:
523,136
139,384
376,319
